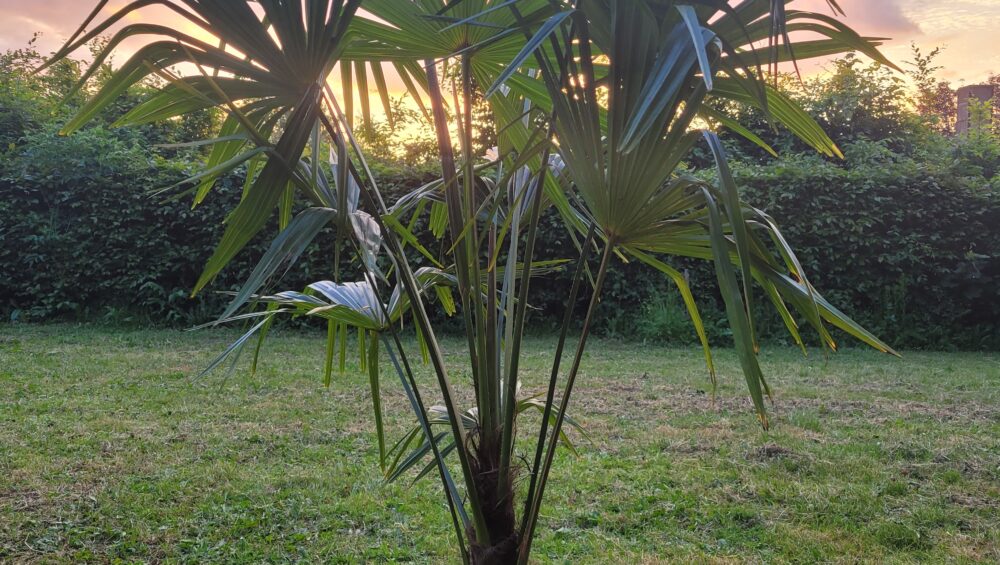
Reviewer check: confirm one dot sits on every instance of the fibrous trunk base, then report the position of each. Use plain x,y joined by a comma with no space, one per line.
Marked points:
498,509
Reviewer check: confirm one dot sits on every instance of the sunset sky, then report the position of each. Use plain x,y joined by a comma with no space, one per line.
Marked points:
968,30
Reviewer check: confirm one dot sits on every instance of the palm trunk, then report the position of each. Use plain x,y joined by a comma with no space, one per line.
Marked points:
494,491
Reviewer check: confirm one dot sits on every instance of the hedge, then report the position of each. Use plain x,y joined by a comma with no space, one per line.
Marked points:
909,251
81,236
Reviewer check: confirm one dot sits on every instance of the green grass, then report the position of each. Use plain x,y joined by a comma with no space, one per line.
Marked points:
109,453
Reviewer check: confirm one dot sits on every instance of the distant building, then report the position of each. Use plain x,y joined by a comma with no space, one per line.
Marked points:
968,99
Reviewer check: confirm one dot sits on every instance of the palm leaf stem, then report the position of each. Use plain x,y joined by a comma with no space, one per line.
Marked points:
581,269
453,201
530,520
520,314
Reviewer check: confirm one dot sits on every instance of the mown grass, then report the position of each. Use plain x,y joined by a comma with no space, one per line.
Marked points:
109,453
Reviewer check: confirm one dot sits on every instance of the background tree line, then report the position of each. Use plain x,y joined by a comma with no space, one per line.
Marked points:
902,232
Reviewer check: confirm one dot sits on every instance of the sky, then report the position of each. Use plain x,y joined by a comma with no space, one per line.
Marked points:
967,30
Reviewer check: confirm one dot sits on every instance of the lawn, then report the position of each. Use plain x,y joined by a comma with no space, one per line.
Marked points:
110,453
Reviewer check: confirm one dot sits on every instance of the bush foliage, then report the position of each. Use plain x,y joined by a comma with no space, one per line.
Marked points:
903,233
914,251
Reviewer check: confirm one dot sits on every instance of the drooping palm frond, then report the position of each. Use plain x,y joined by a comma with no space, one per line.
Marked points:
342,211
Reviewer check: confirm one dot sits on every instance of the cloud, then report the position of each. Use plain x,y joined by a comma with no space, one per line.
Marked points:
964,28
57,20
884,18
54,19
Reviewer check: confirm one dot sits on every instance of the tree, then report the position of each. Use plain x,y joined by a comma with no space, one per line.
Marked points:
594,105
859,101
935,100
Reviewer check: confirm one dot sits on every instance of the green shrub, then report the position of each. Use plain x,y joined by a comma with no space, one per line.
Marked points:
915,214
911,251
80,237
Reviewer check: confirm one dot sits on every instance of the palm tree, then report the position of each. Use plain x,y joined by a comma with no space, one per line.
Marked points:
598,103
